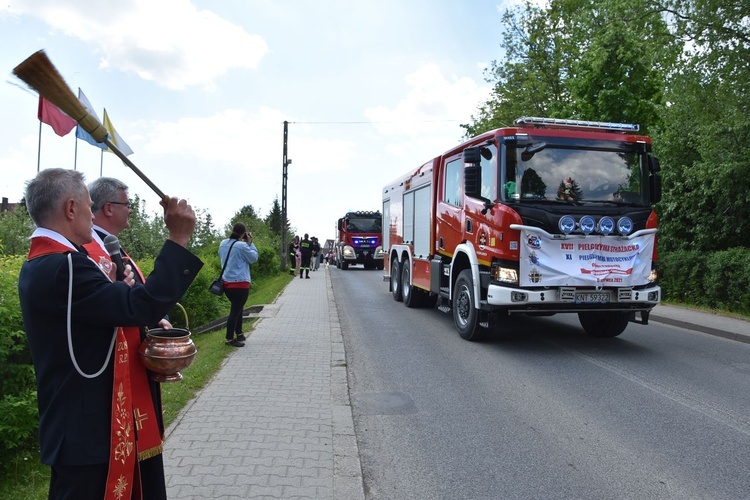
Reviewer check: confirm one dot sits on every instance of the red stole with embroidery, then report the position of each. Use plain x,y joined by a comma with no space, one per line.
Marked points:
147,432
122,456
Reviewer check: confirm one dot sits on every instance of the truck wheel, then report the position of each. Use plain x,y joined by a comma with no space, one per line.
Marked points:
465,315
603,323
381,266
344,265
396,281
412,296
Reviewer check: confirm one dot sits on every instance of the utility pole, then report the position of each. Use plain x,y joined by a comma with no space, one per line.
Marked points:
285,165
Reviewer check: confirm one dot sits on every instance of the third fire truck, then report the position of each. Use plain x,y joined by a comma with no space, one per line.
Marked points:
546,216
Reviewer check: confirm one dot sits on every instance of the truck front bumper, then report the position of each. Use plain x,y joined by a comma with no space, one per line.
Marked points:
362,255
573,299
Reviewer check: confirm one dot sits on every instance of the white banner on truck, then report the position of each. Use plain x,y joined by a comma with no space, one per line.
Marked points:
584,261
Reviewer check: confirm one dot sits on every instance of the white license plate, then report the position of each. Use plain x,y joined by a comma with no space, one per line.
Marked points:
592,298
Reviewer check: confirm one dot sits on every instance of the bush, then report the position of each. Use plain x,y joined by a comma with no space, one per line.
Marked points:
18,409
202,306
716,280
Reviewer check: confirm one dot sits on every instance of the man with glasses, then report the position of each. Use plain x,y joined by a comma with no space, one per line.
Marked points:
111,209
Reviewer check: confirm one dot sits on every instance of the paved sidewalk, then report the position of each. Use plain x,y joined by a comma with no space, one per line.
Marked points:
714,324
275,421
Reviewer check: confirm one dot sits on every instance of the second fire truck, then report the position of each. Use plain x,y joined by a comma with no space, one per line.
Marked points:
359,240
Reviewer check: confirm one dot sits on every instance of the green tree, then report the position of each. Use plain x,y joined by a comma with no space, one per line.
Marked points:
204,233
529,80
619,60
262,233
15,228
587,59
704,143
273,219
146,234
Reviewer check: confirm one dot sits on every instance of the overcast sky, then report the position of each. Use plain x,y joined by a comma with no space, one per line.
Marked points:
200,90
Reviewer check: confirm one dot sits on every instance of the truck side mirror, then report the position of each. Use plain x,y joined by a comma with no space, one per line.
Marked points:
472,155
654,179
472,172
473,181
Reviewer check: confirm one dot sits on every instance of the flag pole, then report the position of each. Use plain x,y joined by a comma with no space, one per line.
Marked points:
75,157
101,157
39,149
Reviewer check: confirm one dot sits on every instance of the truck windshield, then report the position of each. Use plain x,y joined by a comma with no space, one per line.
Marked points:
573,175
363,225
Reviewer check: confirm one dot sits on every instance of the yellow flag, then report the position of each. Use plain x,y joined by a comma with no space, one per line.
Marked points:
115,137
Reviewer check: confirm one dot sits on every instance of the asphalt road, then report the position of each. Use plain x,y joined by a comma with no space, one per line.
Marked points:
540,410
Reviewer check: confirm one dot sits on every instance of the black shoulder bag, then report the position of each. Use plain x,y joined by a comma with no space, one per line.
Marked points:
217,287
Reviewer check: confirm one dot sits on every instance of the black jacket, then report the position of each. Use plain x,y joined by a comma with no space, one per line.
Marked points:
75,412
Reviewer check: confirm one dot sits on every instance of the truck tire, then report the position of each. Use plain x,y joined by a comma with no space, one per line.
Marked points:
344,265
411,295
381,265
465,315
603,323
396,281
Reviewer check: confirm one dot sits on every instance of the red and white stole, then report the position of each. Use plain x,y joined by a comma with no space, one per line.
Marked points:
147,433
122,460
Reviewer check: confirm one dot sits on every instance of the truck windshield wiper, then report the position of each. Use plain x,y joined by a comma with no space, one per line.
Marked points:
609,202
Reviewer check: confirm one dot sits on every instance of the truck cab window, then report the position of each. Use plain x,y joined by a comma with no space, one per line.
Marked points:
453,183
489,172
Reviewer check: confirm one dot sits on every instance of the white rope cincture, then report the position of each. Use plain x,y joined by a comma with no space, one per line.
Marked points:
70,335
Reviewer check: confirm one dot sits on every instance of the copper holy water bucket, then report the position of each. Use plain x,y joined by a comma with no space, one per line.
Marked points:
166,352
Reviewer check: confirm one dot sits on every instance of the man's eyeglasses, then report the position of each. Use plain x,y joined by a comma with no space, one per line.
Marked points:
126,203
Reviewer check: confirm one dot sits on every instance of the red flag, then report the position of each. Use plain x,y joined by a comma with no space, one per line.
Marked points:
50,114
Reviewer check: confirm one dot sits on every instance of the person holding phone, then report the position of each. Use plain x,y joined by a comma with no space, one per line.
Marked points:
239,252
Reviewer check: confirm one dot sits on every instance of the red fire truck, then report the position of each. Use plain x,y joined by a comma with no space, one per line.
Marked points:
359,240
547,216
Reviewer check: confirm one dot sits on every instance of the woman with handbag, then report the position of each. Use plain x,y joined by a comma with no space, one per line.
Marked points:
237,253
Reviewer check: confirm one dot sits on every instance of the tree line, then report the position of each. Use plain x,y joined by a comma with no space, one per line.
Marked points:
681,70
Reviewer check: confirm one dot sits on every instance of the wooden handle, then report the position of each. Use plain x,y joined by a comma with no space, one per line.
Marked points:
41,75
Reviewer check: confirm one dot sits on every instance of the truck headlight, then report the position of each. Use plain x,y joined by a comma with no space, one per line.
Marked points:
505,275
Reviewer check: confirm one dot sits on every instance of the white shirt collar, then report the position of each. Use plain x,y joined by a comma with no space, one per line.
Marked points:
43,232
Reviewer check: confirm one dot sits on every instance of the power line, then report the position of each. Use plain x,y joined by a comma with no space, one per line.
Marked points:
372,122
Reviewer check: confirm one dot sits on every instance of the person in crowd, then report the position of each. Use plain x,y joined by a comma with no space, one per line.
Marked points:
73,315
239,252
305,249
293,261
298,253
316,255
111,208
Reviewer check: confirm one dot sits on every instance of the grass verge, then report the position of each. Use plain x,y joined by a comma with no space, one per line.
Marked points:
26,478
